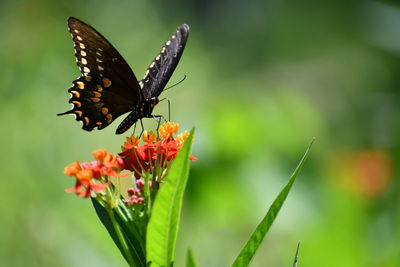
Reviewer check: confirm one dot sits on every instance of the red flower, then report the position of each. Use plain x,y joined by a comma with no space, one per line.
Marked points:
139,159
93,176
87,173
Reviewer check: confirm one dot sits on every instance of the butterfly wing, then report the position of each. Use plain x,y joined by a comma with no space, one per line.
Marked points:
108,87
164,64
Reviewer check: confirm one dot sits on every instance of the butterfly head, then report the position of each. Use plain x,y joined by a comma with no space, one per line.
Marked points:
149,104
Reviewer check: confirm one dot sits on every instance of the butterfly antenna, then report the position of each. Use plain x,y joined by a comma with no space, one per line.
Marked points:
184,78
297,255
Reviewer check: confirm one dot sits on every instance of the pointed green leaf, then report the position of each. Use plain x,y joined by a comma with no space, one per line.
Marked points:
248,251
135,251
133,239
162,229
106,220
190,262
296,257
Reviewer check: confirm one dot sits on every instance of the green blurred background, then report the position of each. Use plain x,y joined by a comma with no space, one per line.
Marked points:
263,78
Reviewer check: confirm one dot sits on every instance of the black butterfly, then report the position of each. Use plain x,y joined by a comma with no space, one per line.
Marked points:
108,87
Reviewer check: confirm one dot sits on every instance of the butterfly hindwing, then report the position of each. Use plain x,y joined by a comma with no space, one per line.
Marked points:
164,64
95,102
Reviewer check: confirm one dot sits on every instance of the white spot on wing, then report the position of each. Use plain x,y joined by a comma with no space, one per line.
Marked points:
79,38
168,43
84,61
82,46
145,75
83,53
100,68
86,70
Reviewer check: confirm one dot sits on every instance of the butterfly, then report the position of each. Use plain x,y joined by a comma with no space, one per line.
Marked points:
108,87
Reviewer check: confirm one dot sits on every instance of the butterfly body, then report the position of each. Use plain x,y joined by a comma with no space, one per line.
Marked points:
143,111
108,87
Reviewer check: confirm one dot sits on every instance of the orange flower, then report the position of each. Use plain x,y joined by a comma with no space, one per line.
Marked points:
93,176
131,142
181,138
139,159
149,137
86,173
72,169
99,154
168,129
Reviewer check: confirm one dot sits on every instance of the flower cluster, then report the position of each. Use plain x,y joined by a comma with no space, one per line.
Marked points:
155,154
135,194
89,174
141,159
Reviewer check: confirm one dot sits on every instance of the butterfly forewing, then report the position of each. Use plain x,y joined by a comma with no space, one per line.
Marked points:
97,57
108,87
164,64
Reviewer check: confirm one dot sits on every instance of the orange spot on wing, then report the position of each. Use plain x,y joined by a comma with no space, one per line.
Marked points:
104,111
76,94
109,118
86,119
78,112
80,84
96,94
77,103
106,82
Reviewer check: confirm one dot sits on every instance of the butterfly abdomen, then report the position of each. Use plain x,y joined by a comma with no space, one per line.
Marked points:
143,111
128,121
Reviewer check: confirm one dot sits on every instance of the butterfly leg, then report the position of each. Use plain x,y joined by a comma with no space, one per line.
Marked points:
141,124
134,129
169,109
158,121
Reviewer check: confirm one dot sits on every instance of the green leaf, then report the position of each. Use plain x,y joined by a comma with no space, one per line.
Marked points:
190,262
296,257
248,251
133,238
162,229
106,220
135,251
